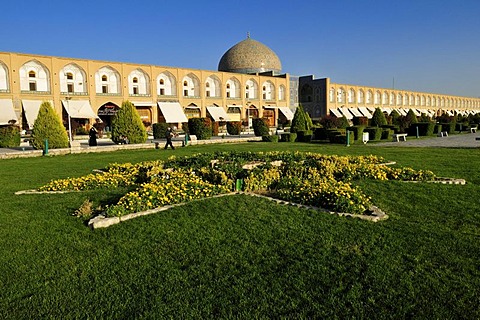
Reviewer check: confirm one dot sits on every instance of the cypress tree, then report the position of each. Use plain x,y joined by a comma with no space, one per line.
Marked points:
378,118
127,122
48,126
299,121
411,117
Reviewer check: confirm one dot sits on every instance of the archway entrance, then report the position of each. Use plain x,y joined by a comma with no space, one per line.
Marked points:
106,114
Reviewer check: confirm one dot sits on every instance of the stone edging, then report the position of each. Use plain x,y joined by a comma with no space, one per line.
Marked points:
103,222
441,180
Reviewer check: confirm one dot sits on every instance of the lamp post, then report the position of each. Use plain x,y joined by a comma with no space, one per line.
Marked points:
68,98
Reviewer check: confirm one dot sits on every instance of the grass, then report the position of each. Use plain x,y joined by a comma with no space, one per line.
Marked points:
242,257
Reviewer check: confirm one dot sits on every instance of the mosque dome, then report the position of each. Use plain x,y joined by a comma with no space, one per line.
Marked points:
250,56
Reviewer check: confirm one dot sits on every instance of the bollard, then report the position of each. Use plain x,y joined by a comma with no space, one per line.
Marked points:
348,138
45,148
239,185
186,139
418,135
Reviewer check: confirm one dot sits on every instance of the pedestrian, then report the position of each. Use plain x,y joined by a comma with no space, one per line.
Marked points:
169,135
92,137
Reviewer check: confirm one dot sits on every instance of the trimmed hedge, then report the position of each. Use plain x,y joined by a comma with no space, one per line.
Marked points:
357,130
200,127
272,138
387,134
320,134
360,121
234,128
9,136
304,135
342,138
448,127
260,127
424,129
159,130
374,133
288,137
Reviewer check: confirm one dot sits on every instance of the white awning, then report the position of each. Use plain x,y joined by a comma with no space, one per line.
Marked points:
387,110
286,112
144,104
336,113
346,113
218,113
402,111
417,112
365,112
355,112
173,112
79,109
371,109
7,112
31,107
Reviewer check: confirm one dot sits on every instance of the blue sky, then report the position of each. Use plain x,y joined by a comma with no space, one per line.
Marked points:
425,45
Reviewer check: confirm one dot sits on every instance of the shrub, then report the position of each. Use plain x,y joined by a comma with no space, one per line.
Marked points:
374,133
201,127
299,121
159,130
215,128
357,131
9,136
359,121
234,128
395,117
411,117
461,126
270,138
260,127
329,122
386,134
288,137
48,127
424,128
378,118
342,138
343,122
304,136
127,122
448,127
438,128
320,134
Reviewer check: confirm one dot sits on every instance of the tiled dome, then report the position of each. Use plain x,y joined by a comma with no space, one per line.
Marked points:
249,56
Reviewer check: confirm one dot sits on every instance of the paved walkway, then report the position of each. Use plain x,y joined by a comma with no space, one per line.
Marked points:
462,140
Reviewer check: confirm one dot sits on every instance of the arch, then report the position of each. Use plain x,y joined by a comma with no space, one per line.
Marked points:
107,81
412,99
166,84
306,93
34,76
73,79
251,89
377,97
281,92
399,99
331,95
351,95
391,99
232,88
361,96
191,86
422,100
369,99
213,87
4,82
341,95
385,97
429,101
417,100
138,83
406,100
268,90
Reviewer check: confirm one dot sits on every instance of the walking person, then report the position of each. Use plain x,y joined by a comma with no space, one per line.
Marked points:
169,135
92,137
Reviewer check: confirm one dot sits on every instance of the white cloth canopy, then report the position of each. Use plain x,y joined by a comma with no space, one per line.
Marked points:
79,109
346,113
335,112
218,113
355,112
31,108
7,112
365,112
286,112
172,112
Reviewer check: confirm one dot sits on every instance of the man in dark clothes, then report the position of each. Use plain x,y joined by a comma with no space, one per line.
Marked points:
169,135
92,135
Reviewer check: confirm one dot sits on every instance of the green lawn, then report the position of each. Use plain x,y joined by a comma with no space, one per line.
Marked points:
243,257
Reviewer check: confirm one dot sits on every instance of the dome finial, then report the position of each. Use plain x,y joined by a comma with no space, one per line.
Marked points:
248,34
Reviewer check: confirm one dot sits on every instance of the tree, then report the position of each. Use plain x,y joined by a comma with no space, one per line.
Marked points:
411,117
378,118
48,126
127,122
395,117
299,122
